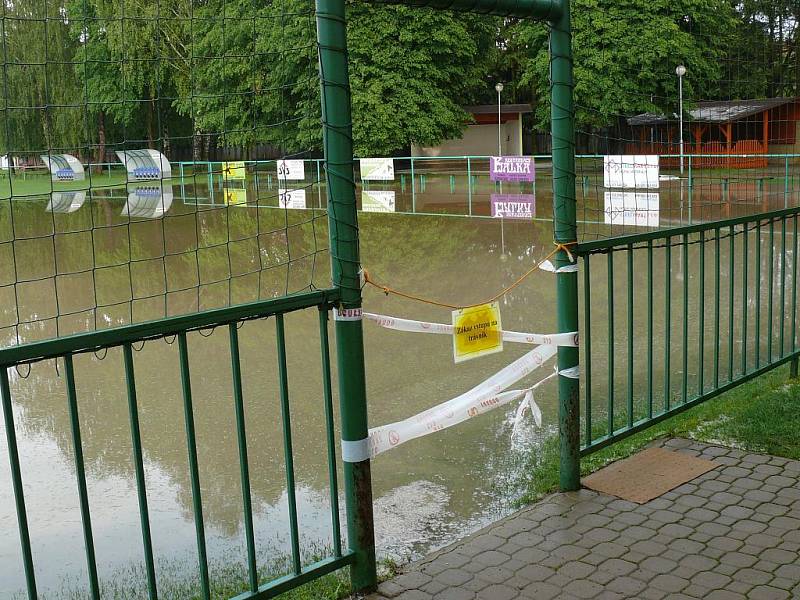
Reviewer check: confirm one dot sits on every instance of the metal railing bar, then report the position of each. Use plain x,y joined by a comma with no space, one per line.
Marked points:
191,442
731,268
630,335
80,473
287,442
96,340
327,394
716,306
782,339
745,240
19,490
757,277
313,571
685,268
611,352
649,328
701,314
244,468
770,290
667,322
138,463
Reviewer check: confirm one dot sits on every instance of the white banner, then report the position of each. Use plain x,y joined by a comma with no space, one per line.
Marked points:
555,339
377,201
630,171
640,209
480,399
376,169
292,198
291,170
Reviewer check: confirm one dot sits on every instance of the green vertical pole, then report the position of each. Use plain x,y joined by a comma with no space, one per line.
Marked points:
345,271
565,232
413,189
469,187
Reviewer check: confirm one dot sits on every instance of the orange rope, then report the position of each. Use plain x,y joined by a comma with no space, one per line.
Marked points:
388,290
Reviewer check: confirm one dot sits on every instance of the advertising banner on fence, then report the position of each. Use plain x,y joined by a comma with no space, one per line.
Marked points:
291,170
477,331
377,201
234,171
640,209
513,206
292,198
376,169
512,168
630,171
235,196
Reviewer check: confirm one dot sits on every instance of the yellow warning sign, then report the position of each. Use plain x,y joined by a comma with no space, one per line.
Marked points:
235,196
477,331
233,171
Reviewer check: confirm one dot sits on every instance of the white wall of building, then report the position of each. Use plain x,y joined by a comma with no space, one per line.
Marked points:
479,140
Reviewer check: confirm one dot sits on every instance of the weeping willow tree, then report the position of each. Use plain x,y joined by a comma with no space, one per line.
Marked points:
41,101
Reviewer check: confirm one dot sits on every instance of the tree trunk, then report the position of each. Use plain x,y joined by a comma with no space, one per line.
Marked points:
150,124
101,141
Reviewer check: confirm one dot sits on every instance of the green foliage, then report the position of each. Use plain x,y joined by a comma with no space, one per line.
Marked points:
626,53
759,416
36,45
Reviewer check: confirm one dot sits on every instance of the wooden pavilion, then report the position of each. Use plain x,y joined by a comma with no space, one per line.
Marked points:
720,132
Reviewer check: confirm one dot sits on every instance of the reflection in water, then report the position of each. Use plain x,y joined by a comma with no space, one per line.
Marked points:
190,255
66,202
148,202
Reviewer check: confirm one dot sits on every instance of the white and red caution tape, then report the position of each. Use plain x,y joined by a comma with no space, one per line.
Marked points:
398,324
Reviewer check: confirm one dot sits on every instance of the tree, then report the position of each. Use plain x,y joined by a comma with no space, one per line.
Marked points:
626,52
411,71
39,96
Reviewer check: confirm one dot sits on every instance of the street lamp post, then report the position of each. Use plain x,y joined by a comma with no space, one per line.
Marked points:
680,71
499,88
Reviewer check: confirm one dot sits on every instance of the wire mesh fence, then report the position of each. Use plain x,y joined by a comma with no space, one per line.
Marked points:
97,226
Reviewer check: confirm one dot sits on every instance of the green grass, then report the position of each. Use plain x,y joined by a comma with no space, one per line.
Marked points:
760,416
177,580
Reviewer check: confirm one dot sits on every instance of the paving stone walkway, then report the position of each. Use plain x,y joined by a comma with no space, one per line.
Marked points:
732,533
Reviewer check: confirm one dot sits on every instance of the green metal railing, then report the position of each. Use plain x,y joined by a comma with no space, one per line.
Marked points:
723,327
182,327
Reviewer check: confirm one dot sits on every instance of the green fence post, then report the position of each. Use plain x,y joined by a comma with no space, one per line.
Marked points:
345,271
469,187
786,182
565,232
413,189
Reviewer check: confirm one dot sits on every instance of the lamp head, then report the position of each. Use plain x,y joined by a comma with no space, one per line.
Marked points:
499,87
680,70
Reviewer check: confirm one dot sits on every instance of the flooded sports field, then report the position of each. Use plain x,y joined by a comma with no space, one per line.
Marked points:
74,261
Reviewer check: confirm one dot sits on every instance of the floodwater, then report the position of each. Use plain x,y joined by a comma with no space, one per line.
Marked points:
73,264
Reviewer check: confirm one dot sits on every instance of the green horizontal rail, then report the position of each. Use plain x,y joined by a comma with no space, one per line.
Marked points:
642,424
117,336
598,246
288,582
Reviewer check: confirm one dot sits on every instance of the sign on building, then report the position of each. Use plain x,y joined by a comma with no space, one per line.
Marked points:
639,209
513,206
63,167
639,171
512,168
377,201
376,169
